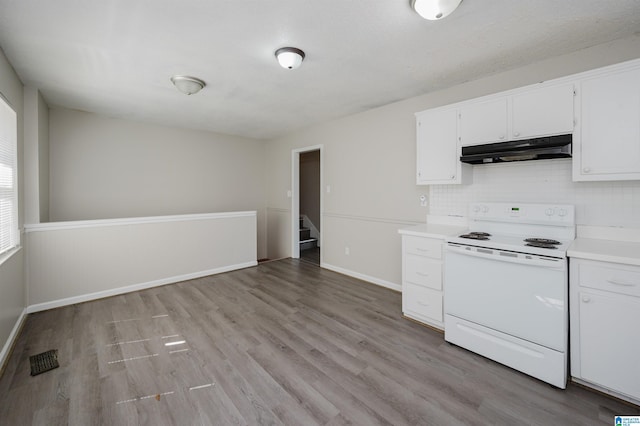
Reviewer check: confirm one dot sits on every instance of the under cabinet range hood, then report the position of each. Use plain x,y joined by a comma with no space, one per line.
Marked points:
523,150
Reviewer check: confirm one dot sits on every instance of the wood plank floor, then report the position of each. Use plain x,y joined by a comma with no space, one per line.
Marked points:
281,343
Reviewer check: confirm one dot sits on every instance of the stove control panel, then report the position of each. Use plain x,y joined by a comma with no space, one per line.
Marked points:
551,211
544,214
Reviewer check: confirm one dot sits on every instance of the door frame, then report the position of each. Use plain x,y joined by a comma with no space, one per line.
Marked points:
295,198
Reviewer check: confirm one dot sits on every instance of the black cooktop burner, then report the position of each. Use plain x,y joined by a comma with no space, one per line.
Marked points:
542,241
476,236
541,245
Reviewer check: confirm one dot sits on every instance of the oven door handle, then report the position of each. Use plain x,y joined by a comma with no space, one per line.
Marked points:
551,263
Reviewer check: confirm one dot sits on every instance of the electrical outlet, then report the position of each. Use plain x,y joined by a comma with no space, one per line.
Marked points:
423,200
347,251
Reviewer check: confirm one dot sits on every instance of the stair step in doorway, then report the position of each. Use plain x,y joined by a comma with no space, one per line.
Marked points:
307,242
311,243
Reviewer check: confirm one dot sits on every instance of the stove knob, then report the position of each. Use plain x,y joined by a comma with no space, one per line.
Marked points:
562,212
549,212
476,209
485,209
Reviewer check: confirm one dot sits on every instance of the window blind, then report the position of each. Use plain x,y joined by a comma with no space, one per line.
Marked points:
9,235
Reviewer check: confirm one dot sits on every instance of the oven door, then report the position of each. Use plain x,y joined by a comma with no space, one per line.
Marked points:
521,295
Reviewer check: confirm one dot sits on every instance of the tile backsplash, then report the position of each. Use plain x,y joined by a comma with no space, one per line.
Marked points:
614,203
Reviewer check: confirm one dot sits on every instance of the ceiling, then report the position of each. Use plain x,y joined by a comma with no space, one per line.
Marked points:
115,57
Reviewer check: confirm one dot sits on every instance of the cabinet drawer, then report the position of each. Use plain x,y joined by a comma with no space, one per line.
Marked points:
423,271
621,279
423,246
422,301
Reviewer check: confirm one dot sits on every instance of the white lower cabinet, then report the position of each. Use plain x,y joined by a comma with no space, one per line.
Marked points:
423,304
422,280
605,327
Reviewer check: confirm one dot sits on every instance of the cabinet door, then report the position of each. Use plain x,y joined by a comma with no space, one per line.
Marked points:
422,303
483,122
437,148
609,146
610,341
543,112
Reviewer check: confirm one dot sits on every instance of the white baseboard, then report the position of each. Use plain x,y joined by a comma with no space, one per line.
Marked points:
11,339
135,287
363,277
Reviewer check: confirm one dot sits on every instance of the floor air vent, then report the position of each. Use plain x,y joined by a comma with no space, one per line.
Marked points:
44,362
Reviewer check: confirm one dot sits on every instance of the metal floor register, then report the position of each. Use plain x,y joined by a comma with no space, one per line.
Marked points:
44,362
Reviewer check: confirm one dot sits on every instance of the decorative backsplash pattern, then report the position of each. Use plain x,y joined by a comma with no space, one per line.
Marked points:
544,181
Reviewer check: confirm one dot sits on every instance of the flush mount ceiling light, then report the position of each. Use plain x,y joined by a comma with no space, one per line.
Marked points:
187,85
434,9
289,57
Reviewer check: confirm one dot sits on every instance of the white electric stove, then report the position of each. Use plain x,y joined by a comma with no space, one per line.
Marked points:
506,286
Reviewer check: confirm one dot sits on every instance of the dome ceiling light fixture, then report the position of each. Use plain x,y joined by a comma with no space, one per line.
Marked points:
434,9
187,85
290,57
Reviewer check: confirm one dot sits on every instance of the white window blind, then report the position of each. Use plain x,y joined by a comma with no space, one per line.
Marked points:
9,235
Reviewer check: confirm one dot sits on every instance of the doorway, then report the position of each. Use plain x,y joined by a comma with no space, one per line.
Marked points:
307,204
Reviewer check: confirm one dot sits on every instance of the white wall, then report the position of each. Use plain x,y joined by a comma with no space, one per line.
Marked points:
43,158
102,168
12,277
36,157
597,203
77,261
369,162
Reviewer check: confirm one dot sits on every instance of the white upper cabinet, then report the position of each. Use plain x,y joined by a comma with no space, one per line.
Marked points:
483,122
608,142
438,151
543,112
600,108
529,113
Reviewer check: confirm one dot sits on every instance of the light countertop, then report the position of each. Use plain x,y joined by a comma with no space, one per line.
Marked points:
625,252
433,230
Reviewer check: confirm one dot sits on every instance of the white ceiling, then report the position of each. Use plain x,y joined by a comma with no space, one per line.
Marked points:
115,57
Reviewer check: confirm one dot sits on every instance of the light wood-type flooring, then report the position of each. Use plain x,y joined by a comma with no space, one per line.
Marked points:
285,342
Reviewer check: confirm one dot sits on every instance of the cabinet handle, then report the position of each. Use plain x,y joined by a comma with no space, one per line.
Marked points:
501,137
516,134
586,299
422,274
422,303
586,170
452,177
622,283
422,250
